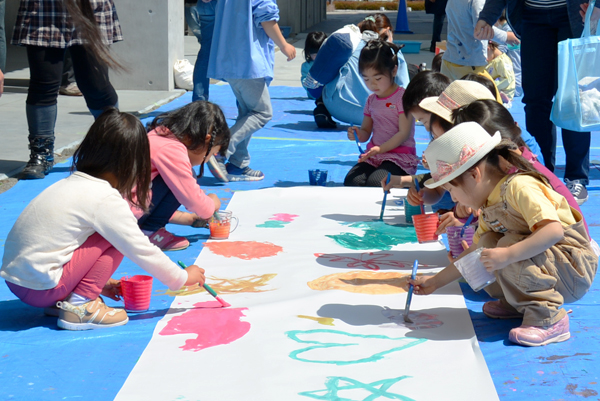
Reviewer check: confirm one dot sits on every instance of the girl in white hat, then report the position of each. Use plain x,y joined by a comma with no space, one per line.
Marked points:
534,243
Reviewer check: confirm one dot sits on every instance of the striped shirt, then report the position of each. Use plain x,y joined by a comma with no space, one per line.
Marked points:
545,3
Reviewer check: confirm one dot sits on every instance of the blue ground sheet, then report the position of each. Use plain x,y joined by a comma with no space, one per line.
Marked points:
40,362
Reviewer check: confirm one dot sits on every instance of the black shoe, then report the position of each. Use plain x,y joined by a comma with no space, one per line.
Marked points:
41,158
323,118
432,48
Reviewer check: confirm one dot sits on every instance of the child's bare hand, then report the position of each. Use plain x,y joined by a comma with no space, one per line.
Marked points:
495,258
395,182
216,200
351,134
195,275
447,220
289,51
423,285
375,150
112,289
413,197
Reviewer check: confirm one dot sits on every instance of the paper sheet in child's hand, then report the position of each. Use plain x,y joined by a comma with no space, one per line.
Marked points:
473,270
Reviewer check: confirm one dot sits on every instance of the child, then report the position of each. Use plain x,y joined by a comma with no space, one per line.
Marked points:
70,239
464,53
179,140
312,44
243,54
501,70
392,145
513,52
533,242
493,117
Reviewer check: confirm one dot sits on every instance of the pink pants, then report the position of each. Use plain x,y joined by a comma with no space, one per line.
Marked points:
86,274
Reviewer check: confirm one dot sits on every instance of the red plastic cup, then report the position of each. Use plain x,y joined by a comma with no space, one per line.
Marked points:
425,226
137,291
455,239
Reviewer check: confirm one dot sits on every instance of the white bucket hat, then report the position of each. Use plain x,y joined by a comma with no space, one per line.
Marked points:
457,150
457,94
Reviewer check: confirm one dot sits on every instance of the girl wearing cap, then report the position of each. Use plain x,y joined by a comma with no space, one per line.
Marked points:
534,243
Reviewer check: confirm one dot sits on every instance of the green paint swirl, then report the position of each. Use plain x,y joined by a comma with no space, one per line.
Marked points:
377,235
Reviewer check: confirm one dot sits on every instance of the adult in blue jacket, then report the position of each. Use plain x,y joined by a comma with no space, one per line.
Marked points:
334,79
541,24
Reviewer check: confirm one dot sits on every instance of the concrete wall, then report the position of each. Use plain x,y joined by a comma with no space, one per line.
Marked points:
153,41
301,14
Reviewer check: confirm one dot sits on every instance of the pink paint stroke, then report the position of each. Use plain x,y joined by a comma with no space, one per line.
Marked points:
368,260
284,217
212,324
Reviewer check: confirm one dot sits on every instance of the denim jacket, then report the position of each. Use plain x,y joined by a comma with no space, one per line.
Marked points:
514,13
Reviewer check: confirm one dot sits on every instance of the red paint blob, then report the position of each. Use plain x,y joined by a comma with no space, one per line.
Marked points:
212,324
244,249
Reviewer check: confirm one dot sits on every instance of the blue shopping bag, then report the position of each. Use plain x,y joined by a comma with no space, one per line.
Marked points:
577,102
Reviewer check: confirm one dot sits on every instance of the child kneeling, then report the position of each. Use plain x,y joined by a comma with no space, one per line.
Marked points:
534,243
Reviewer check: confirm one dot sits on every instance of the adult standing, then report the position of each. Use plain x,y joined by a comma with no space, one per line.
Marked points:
204,13
541,24
438,9
47,28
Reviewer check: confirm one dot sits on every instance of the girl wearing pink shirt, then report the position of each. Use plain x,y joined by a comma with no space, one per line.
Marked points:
391,148
181,139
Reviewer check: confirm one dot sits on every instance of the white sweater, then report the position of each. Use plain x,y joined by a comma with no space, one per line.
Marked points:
62,218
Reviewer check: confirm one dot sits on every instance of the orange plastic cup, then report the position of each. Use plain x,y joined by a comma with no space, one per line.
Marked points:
221,227
425,226
137,291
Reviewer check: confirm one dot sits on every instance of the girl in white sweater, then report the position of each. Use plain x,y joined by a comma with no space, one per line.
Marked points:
71,238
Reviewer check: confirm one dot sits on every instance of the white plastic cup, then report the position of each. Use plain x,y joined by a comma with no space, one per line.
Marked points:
474,271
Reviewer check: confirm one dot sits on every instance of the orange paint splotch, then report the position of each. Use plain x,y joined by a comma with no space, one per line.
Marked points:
244,249
212,325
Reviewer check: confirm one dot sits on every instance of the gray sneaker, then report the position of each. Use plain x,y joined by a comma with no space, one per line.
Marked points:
216,165
578,190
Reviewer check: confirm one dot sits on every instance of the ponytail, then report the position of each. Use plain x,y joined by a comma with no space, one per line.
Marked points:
84,20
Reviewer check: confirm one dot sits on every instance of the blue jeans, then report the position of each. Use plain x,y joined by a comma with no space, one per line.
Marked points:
204,14
2,37
164,204
192,20
254,112
542,30
438,25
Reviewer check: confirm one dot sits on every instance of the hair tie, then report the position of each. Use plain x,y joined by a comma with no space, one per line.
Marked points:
369,18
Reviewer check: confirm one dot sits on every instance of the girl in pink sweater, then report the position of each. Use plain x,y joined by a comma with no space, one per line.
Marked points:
181,139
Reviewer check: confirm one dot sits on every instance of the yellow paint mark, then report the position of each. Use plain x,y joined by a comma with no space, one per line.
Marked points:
327,321
363,282
251,283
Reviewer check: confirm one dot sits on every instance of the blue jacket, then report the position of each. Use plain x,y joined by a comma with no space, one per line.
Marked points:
514,14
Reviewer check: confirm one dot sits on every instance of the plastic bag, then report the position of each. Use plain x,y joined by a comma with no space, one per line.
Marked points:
184,74
577,102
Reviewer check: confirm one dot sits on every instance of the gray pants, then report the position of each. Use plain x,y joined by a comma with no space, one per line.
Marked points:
254,111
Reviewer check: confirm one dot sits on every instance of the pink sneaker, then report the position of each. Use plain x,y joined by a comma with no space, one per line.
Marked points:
497,310
167,241
533,336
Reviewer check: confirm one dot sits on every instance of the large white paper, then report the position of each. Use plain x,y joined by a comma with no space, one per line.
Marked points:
282,339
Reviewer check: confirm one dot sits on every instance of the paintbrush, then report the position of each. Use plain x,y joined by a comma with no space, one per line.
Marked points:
413,275
216,215
357,143
469,220
207,288
389,177
418,189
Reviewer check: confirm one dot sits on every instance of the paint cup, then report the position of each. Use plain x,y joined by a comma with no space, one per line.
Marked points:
410,211
137,291
425,226
455,239
317,177
220,229
474,271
